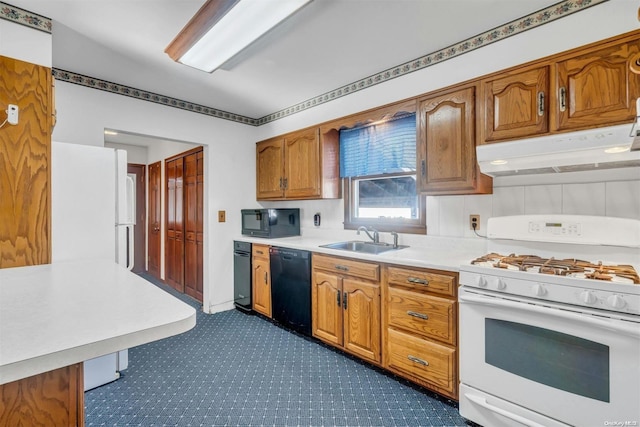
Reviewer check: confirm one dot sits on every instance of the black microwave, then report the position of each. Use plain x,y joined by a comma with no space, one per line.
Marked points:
271,222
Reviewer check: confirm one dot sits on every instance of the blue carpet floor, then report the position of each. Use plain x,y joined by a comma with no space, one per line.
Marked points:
239,370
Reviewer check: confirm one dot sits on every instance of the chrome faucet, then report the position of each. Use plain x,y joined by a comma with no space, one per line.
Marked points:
376,235
395,239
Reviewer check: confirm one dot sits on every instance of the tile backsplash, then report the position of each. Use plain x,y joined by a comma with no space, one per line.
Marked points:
449,215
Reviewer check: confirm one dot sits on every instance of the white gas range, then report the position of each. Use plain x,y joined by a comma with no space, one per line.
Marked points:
550,323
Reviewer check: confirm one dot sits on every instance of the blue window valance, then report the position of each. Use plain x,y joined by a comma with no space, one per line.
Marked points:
379,148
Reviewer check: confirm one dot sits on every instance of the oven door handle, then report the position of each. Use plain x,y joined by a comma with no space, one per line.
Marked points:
632,330
481,401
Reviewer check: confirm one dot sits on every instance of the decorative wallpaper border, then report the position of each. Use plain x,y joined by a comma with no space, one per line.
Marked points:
541,17
512,28
91,82
24,17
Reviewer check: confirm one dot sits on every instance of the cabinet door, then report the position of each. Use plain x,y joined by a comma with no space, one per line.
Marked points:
516,105
597,88
361,319
269,169
261,286
326,303
447,153
302,164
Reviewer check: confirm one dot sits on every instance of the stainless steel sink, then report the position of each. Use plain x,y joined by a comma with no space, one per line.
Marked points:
363,247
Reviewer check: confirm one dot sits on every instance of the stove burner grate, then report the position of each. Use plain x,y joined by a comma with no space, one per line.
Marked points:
560,267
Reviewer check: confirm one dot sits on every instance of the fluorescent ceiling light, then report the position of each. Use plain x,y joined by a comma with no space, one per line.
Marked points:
223,28
110,132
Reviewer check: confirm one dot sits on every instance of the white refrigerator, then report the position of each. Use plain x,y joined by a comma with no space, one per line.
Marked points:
93,214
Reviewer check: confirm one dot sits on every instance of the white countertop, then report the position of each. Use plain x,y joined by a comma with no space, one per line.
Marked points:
441,253
55,315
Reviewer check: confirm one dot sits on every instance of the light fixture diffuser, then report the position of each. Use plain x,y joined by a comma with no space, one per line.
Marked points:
223,28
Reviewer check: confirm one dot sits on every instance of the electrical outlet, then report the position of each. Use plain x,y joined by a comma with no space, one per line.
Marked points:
474,222
222,216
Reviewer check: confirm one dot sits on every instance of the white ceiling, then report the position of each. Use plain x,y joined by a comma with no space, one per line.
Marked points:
328,44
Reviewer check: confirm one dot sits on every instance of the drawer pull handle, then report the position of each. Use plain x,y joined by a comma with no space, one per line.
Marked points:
540,104
341,267
339,298
417,360
418,315
259,252
417,280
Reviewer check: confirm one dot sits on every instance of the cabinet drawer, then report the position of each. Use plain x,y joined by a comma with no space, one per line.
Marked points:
422,280
260,251
429,316
423,359
347,267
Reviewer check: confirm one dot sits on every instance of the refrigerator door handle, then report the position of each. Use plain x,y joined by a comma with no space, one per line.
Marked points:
130,247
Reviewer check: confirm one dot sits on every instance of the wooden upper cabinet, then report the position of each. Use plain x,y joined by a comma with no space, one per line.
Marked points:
299,165
597,87
516,105
446,147
269,168
302,164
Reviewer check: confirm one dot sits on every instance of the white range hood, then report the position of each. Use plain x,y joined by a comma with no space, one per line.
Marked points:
594,149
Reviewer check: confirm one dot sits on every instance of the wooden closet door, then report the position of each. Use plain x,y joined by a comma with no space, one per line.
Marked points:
193,209
191,220
174,260
199,227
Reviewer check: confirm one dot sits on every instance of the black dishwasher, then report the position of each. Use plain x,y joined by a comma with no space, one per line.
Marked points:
242,276
291,288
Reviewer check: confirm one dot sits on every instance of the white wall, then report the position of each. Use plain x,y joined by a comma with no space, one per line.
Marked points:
229,150
24,43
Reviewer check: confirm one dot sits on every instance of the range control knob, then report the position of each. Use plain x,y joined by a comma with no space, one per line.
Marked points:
588,297
501,284
482,282
616,301
539,290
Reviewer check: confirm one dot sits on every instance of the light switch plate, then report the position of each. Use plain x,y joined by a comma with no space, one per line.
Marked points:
222,217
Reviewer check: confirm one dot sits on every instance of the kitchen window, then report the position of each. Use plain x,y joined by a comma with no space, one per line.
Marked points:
378,167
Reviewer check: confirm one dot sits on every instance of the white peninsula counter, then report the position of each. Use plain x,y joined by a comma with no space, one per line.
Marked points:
56,315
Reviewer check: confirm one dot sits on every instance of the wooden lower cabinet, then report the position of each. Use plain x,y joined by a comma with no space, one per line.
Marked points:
420,327
423,361
346,305
261,279
54,398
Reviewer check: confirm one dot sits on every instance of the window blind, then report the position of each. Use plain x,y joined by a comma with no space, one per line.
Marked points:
388,147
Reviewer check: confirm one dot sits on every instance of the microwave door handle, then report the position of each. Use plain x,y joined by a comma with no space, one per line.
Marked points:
632,331
481,401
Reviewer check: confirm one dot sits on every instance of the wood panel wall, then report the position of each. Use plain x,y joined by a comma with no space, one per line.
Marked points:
54,398
25,152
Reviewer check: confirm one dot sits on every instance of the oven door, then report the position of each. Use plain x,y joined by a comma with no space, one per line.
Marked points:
574,367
